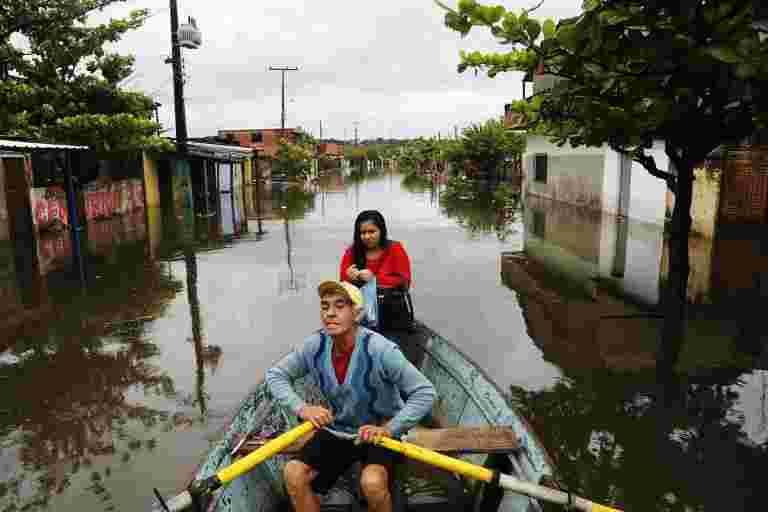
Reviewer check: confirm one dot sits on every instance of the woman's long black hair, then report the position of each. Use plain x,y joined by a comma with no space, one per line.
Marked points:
358,247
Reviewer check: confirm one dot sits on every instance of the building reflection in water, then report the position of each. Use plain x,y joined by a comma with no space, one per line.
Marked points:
287,203
73,348
589,290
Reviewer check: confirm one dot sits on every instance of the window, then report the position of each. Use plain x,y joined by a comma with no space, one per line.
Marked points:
256,137
540,168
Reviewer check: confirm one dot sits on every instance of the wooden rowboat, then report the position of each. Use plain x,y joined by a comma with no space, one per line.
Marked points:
471,420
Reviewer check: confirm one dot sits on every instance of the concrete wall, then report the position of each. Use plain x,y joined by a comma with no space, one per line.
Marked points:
591,177
706,201
574,175
647,201
4,226
151,183
247,171
630,256
580,245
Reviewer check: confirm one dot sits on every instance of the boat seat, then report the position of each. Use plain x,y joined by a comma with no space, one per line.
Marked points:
451,440
459,440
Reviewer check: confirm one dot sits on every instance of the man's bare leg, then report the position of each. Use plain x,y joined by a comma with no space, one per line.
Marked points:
298,476
374,481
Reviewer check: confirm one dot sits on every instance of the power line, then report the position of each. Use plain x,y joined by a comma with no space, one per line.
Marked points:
283,70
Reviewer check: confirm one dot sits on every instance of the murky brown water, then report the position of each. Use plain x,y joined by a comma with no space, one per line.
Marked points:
118,374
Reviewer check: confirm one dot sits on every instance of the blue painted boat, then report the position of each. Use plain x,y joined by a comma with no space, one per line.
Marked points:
466,397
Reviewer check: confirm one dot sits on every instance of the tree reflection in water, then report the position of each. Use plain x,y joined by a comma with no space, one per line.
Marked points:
481,210
614,442
618,430
64,395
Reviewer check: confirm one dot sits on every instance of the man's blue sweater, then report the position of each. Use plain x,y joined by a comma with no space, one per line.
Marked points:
371,392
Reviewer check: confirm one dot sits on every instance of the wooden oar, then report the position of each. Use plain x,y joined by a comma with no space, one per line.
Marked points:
493,477
205,487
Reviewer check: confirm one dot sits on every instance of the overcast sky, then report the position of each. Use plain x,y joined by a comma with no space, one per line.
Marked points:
390,65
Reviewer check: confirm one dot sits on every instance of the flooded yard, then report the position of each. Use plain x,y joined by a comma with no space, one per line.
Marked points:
119,372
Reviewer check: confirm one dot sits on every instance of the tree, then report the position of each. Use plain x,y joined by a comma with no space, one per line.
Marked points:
693,74
356,154
293,159
67,86
485,148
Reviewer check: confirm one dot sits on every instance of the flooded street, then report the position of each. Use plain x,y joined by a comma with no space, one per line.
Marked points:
121,385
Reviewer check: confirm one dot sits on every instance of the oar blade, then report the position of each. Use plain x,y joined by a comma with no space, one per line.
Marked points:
178,503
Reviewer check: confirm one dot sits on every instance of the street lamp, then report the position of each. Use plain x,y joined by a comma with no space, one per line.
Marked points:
760,18
186,36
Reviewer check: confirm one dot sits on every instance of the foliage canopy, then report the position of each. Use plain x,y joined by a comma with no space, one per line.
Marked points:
67,86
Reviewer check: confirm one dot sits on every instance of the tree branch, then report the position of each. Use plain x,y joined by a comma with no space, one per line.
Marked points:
529,11
649,163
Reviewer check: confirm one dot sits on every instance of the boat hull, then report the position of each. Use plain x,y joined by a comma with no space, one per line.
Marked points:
466,397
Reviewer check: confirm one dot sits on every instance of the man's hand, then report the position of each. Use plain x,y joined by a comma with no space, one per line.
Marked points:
370,433
365,274
352,272
318,416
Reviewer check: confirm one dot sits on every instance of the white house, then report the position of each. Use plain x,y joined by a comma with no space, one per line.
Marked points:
596,178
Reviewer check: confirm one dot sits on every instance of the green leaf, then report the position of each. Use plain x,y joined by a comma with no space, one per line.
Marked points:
724,54
549,29
533,28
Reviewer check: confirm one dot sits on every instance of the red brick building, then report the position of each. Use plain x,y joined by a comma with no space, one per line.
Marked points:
264,140
332,149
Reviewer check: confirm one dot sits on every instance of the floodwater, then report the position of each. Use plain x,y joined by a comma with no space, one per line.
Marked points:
120,367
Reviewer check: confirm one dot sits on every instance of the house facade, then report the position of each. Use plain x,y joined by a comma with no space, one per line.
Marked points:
263,140
598,179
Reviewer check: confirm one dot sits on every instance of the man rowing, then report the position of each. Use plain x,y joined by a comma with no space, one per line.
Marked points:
372,389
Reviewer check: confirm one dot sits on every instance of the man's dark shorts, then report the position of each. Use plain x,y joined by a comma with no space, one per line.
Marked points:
331,457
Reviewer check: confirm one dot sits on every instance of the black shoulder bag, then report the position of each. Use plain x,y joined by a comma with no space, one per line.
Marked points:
395,306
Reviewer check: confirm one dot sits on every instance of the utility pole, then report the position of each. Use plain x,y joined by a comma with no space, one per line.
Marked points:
178,83
321,132
282,114
356,123
157,105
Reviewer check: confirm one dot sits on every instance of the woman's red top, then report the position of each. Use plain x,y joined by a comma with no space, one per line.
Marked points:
390,269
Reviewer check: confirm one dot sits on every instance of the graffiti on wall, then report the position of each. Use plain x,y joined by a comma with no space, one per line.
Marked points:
105,200
49,208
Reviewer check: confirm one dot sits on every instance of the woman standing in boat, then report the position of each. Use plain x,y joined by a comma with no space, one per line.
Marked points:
373,255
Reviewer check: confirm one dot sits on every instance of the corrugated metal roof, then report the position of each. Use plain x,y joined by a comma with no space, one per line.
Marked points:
21,145
221,151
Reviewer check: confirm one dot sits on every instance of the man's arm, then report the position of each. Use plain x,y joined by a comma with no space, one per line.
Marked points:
415,386
280,379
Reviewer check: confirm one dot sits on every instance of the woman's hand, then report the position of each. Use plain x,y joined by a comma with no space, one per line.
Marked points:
352,273
365,274
370,433
318,416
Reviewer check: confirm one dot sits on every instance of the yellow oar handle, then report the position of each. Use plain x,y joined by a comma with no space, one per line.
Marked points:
200,488
452,464
269,449
486,475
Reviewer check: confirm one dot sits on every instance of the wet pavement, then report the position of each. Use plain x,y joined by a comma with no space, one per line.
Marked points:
118,373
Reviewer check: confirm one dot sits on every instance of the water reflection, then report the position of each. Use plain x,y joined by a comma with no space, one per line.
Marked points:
93,349
588,287
481,210
86,329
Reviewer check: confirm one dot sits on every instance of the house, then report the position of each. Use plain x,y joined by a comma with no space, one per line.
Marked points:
211,180
597,178
331,149
731,186
264,141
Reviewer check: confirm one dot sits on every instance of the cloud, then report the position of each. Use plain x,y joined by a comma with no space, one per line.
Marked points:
391,66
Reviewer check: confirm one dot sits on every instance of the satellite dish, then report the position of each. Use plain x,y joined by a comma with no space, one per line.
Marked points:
189,35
